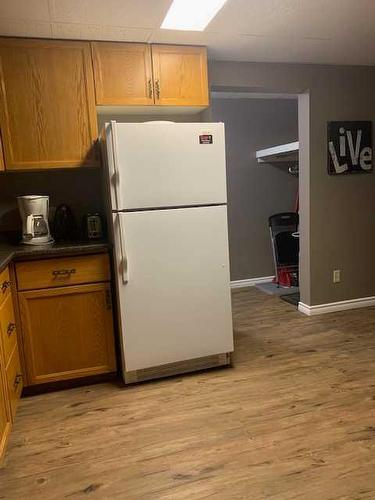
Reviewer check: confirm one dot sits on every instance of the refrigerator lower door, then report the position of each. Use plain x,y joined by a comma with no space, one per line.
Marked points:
155,165
176,304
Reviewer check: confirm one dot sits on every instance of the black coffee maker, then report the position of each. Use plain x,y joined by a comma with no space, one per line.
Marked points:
64,224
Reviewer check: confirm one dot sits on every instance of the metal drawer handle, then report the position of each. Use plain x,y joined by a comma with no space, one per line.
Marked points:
17,380
157,89
62,273
11,328
5,286
108,300
150,88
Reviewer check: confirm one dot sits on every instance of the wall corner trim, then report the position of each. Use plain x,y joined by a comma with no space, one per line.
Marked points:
343,305
251,282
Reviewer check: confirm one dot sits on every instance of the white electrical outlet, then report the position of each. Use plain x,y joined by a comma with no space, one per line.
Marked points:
336,276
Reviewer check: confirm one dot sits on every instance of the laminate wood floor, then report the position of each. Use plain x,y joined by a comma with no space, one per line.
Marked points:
293,419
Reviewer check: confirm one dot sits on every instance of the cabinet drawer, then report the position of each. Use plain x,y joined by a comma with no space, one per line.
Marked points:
8,328
5,285
14,380
50,273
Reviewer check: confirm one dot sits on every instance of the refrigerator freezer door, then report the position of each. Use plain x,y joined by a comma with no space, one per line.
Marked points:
176,305
166,164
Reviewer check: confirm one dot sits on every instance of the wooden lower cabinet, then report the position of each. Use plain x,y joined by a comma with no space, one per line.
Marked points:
67,332
5,417
11,378
14,379
8,329
2,164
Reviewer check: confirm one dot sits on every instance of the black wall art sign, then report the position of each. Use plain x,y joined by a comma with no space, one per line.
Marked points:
349,147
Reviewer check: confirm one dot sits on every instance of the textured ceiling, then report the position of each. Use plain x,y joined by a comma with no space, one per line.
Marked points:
303,31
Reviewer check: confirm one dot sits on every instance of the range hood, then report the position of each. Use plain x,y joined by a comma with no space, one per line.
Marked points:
277,154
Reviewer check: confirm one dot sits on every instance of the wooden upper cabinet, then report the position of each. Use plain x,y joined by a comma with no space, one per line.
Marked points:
47,104
180,75
122,73
131,74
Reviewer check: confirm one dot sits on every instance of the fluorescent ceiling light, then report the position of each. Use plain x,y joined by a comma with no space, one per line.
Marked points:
191,15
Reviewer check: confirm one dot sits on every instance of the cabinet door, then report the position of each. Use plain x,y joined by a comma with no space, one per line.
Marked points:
122,73
47,105
180,75
2,164
5,419
8,332
14,380
68,332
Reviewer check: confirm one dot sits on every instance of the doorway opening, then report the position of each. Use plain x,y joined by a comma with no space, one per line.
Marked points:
265,198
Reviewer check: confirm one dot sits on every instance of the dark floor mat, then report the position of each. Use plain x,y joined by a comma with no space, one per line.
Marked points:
273,289
292,298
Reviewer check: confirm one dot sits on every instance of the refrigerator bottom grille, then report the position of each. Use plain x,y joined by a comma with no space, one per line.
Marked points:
190,365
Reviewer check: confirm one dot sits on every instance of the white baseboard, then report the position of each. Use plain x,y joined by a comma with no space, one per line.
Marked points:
251,282
336,306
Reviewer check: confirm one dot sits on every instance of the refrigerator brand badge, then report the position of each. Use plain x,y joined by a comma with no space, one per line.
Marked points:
205,139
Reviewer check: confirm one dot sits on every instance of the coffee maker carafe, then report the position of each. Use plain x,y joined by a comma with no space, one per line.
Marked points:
34,214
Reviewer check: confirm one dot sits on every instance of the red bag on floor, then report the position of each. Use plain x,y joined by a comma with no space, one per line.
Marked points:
287,276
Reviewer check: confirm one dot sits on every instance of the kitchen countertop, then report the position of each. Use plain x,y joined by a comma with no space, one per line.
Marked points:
9,252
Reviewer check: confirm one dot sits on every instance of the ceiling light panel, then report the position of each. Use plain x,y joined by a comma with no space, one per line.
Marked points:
191,15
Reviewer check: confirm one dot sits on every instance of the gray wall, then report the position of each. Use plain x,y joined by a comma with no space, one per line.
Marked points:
337,214
255,191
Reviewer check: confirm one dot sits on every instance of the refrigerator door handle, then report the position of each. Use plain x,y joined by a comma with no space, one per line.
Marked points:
124,257
116,171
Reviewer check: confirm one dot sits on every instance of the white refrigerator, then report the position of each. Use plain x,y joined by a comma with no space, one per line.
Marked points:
167,195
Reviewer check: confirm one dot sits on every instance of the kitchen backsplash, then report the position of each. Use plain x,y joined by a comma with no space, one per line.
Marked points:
81,189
